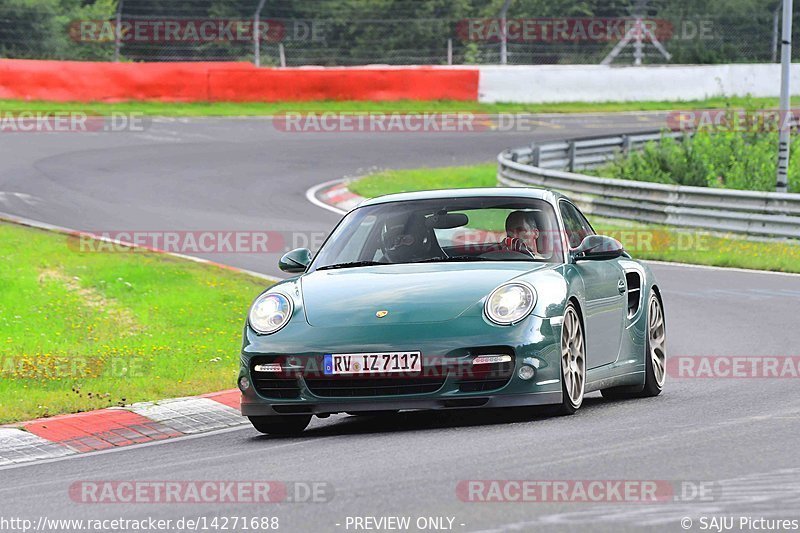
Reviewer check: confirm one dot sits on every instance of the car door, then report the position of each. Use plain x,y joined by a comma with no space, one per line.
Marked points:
604,283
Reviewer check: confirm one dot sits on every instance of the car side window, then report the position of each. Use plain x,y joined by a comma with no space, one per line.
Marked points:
575,224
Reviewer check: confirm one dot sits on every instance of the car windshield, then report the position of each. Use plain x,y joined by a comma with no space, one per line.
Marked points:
444,230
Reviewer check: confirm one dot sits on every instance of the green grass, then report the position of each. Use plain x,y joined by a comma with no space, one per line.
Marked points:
192,109
421,179
87,330
644,241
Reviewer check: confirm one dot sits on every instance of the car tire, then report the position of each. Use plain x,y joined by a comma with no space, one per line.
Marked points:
655,364
280,425
656,359
573,362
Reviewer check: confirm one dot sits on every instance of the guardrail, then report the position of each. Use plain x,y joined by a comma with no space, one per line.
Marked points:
552,165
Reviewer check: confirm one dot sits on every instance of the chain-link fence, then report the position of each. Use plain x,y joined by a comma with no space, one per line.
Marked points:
360,32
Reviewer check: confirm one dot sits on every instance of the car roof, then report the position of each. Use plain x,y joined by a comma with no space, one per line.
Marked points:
477,192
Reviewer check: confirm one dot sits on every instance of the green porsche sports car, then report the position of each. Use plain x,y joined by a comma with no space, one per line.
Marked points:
452,299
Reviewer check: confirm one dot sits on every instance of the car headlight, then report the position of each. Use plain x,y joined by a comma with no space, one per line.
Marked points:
270,312
510,303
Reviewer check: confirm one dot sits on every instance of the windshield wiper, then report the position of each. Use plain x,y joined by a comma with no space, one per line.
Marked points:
354,264
351,264
454,259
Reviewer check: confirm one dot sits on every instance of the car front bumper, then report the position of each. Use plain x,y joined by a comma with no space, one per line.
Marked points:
533,343
396,403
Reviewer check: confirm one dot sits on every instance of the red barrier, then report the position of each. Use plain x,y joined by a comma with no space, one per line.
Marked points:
110,82
240,82
344,84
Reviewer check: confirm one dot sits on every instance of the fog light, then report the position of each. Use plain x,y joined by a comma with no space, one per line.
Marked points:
526,372
244,383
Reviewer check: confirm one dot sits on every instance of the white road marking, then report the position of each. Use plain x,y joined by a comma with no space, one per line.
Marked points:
157,138
7,198
311,196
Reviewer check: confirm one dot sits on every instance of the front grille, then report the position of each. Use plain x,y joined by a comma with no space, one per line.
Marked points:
352,387
277,388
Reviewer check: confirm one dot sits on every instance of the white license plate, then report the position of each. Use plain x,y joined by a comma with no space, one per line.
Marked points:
372,363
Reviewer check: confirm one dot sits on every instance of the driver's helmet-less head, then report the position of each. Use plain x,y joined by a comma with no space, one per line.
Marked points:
522,225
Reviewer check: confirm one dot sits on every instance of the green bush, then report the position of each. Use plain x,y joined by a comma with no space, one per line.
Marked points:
732,160
40,29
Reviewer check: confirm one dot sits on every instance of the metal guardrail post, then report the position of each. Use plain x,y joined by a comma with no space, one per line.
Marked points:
536,154
571,156
626,145
784,140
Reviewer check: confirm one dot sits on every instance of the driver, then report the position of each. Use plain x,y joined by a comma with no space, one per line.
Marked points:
521,233
409,242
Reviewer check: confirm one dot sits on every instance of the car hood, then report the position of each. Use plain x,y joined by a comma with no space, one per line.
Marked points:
411,293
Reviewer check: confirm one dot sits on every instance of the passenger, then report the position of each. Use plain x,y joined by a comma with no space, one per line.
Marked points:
521,233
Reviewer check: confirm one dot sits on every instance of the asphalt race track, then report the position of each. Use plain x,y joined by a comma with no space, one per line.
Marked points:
242,174
230,174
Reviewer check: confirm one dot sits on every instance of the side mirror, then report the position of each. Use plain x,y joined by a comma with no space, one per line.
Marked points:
295,261
597,248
